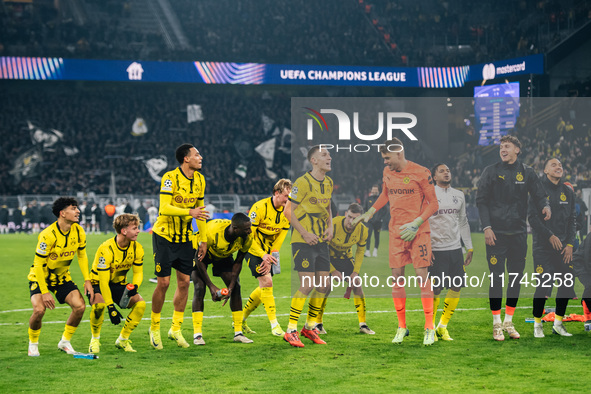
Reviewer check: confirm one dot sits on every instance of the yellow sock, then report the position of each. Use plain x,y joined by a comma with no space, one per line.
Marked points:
538,320
237,318
197,322
34,335
269,302
253,302
436,301
155,321
68,332
360,307
558,318
133,319
320,317
177,320
97,316
297,304
314,309
449,306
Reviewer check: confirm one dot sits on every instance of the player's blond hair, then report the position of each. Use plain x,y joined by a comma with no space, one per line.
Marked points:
125,220
281,185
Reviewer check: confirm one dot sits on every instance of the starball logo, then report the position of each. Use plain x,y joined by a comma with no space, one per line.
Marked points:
389,122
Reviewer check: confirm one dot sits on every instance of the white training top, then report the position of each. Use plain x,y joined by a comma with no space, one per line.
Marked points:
450,223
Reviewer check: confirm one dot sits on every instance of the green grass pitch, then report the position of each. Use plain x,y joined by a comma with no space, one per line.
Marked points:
349,362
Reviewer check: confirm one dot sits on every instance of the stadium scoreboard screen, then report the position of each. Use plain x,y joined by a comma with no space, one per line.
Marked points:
496,108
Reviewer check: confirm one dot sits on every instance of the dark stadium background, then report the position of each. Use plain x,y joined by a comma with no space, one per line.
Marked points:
96,118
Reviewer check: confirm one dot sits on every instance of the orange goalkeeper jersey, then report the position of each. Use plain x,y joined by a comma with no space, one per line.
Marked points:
411,194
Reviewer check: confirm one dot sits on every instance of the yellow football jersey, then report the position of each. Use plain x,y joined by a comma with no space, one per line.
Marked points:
341,245
311,199
116,262
178,194
269,227
54,254
217,245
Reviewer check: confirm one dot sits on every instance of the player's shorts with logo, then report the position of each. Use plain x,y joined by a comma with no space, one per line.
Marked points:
417,252
549,264
117,290
254,263
310,258
168,255
344,265
61,291
218,266
448,266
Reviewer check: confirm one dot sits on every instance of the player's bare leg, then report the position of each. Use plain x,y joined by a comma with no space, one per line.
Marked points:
179,301
76,302
158,298
197,307
35,324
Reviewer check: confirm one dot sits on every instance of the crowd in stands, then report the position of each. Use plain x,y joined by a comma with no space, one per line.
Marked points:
98,122
348,32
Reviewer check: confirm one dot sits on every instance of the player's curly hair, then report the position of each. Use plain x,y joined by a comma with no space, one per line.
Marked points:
62,203
125,220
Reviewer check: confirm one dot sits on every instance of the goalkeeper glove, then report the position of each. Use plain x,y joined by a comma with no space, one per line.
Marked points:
114,314
409,230
365,217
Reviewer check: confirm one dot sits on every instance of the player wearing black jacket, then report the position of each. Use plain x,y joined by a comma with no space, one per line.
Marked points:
553,247
582,269
502,199
375,223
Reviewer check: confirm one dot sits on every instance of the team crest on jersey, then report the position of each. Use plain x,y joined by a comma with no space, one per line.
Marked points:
158,269
406,180
562,197
305,263
253,215
539,269
519,177
455,199
33,286
493,260
167,185
102,263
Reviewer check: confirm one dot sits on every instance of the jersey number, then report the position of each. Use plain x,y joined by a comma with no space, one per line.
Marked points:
423,249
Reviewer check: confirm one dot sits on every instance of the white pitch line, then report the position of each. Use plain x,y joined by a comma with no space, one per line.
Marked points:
278,315
410,295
